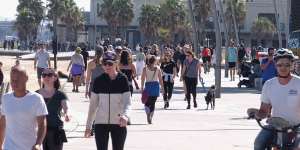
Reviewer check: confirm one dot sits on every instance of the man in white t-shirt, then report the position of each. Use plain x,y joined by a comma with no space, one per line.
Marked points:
23,116
41,62
280,98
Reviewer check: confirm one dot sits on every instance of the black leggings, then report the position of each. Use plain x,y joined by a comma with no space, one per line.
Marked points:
50,141
151,103
118,136
168,90
191,87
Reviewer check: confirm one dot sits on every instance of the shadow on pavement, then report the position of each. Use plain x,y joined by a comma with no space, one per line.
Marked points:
205,130
235,90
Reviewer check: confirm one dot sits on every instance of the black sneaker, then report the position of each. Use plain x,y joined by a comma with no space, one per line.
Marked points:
195,104
165,106
188,107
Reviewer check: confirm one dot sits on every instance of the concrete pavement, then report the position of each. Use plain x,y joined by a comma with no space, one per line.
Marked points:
177,128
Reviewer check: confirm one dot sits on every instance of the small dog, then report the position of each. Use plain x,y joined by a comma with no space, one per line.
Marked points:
210,98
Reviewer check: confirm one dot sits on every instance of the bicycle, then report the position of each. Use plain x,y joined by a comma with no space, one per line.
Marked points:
285,133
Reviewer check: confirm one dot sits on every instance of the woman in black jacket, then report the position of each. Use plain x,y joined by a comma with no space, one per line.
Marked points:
109,105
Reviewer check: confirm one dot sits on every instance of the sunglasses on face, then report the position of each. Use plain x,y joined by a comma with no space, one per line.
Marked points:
44,75
283,65
108,63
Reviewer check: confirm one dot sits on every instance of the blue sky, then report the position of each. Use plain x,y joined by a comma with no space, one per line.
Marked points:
8,8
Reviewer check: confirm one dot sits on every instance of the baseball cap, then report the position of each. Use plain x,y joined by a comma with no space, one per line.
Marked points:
109,56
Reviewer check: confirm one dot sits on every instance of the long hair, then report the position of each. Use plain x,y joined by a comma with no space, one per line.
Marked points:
151,61
56,82
125,58
98,54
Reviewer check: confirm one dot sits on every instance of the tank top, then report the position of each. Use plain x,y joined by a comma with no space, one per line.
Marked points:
150,74
128,73
96,72
140,57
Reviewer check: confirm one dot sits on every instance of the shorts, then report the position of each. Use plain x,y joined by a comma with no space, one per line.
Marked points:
231,64
39,72
77,70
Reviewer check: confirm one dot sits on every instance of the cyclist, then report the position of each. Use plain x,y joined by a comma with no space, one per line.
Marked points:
280,98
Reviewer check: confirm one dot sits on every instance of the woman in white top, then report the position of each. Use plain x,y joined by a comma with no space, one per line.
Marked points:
154,81
140,62
77,69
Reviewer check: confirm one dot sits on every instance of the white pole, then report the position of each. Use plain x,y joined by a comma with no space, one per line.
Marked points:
278,24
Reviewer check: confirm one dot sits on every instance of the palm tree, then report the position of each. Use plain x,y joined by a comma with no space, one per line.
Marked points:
235,14
263,28
56,10
30,15
117,14
73,18
149,21
172,15
202,10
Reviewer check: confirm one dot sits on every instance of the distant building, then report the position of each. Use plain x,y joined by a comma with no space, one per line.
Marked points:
295,15
6,29
97,28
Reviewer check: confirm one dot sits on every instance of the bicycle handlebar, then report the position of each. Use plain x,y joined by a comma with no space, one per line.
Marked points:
277,130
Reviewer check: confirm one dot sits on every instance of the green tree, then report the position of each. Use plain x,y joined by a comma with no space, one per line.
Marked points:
149,21
29,17
202,10
73,19
172,16
118,14
263,28
239,15
56,10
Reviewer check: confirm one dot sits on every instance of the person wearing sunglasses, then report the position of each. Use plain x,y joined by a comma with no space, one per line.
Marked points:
190,73
169,72
109,105
56,101
280,98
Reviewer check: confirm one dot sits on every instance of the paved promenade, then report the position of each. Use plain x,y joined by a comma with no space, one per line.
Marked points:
177,128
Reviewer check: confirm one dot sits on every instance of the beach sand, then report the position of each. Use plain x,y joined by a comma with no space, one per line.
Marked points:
9,61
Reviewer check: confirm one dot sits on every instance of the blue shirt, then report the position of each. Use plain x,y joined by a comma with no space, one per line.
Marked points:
232,54
270,71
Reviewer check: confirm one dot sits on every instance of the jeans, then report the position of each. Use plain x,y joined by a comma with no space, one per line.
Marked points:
168,90
263,139
118,136
191,88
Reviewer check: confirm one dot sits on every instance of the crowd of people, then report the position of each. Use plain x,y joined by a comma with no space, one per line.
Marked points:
110,78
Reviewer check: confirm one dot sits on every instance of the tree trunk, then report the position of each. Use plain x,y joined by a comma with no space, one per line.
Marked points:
217,49
234,23
195,39
277,24
225,35
56,38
